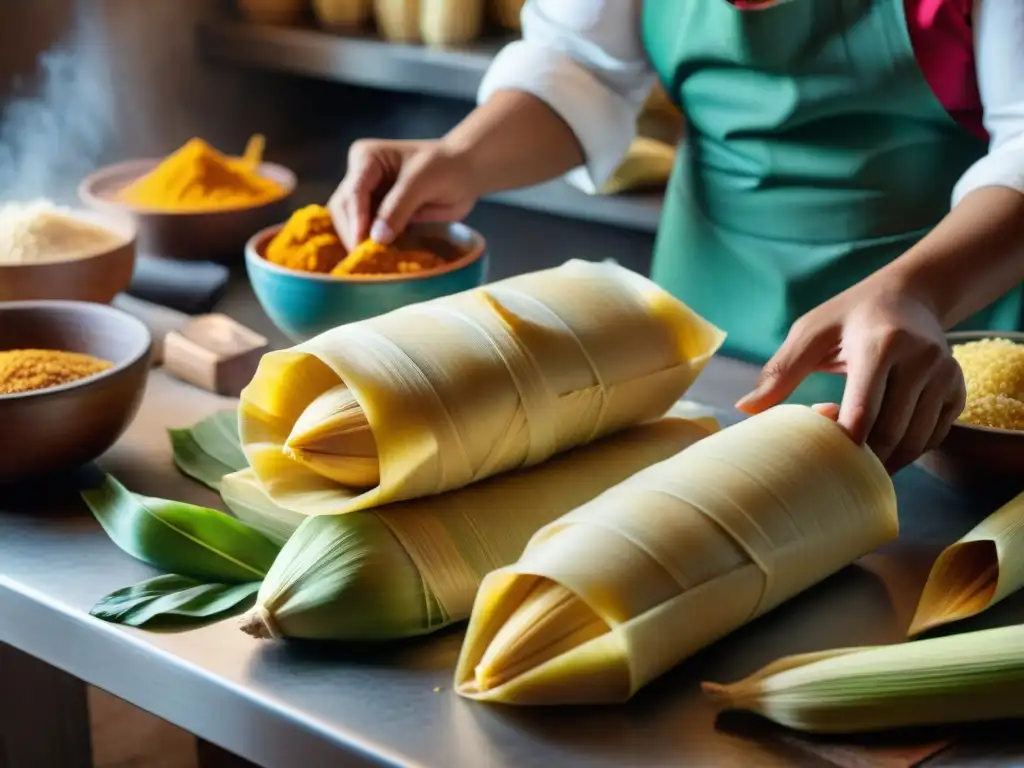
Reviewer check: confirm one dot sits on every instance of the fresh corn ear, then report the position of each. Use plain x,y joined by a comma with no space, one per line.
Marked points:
976,572
413,567
613,594
515,372
957,679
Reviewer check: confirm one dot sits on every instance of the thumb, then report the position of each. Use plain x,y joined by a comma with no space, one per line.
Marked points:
398,207
796,359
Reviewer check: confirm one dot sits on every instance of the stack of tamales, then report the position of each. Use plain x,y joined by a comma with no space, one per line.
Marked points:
421,449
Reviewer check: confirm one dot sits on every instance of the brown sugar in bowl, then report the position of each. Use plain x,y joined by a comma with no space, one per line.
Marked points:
49,431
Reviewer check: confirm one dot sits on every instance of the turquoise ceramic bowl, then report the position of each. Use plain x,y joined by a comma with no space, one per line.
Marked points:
303,305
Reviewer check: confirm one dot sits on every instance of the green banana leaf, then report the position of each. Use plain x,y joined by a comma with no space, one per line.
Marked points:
181,538
210,449
176,601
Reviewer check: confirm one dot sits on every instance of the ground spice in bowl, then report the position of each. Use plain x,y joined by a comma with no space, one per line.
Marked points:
198,178
29,370
309,243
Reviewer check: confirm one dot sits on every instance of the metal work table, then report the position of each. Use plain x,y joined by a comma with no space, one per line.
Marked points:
283,706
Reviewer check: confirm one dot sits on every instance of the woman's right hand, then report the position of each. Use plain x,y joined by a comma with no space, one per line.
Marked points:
391,184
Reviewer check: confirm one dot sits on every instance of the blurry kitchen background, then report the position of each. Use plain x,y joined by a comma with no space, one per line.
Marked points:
88,82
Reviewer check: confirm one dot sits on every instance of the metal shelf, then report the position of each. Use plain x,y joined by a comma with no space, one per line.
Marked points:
364,60
367,61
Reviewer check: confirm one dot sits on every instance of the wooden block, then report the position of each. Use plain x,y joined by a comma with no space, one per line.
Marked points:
215,353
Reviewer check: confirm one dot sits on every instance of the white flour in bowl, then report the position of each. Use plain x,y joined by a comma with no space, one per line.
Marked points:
39,231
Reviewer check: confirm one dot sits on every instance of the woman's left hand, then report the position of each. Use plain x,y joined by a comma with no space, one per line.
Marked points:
903,388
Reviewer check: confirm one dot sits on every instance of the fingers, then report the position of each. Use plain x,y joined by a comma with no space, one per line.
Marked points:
402,203
351,204
899,404
866,380
800,355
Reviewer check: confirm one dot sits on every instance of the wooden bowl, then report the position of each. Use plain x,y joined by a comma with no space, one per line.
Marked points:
980,458
55,430
305,304
218,235
96,278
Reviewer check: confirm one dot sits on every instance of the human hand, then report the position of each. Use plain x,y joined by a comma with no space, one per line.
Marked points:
391,184
903,388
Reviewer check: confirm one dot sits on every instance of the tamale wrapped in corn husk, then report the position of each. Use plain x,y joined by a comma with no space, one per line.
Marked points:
398,21
458,389
964,678
451,22
414,567
976,572
618,591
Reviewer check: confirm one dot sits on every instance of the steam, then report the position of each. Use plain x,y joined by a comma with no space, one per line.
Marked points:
50,140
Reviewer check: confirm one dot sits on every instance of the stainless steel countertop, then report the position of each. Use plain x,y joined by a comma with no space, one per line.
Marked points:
287,705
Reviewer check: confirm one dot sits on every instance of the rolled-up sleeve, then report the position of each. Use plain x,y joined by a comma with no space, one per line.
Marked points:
585,59
999,55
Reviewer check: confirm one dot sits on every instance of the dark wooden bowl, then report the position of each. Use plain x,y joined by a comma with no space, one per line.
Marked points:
55,430
98,277
980,458
218,235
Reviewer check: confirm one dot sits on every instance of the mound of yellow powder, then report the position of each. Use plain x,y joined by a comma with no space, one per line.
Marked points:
26,370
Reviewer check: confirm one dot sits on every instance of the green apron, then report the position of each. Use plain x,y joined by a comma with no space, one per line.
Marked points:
815,153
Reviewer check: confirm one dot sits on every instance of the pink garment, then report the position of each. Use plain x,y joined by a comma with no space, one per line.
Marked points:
941,34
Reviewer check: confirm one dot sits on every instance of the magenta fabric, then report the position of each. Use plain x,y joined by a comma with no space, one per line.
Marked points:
943,41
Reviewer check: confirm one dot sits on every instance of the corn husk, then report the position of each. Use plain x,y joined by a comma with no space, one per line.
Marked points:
274,12
615,593
976,572
466,387
414,567
506,13
451,22
964,678
398,21
344,14
647,165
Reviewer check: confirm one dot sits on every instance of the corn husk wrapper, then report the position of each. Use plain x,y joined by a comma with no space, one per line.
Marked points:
342,13
451,22
414,567
964,678
976,572
648,164
398,21
620,590
514,373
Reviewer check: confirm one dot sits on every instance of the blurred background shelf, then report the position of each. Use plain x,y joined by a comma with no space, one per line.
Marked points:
368,62
355,59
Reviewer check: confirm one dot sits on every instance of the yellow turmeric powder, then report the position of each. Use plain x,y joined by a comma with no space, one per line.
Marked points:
370,258
26,370
198,178
309,243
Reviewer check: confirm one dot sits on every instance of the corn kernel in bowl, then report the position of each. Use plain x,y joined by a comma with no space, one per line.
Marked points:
994,373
